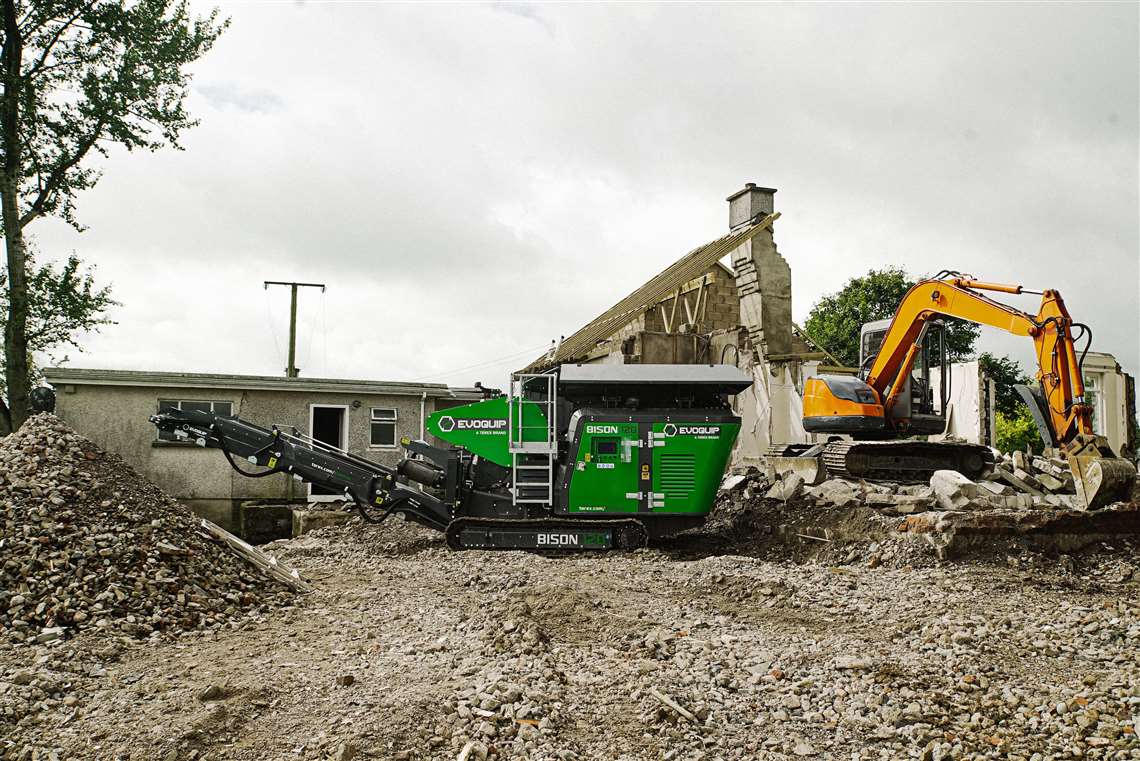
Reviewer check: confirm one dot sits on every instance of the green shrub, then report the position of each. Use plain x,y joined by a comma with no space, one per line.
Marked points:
1017,431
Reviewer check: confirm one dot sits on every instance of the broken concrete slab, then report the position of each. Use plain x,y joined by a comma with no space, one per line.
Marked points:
1027,477
834,492
731,483
1010,501
903,504
952,490
1016,482
1064,530
1063,501
993,489
1050,482
1057,468
787,488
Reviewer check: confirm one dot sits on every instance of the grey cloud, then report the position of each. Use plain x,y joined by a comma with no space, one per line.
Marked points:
471,186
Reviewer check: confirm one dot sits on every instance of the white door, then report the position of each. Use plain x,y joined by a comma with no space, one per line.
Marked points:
328,423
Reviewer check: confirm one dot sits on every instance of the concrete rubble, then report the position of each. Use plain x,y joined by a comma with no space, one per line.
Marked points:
666,653
1030,498
87,543
844,620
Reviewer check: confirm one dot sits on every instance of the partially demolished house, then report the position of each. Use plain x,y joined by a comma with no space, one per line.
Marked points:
698,310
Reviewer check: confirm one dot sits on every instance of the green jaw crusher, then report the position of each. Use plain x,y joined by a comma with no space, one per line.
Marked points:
595,456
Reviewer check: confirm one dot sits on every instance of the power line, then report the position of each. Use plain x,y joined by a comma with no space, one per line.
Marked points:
449,373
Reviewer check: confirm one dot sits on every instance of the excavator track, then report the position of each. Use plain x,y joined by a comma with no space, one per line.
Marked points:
546,534
905,460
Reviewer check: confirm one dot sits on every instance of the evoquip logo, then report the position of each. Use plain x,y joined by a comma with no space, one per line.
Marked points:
447,424
691,430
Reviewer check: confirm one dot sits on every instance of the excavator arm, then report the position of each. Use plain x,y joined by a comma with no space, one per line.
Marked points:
1064,412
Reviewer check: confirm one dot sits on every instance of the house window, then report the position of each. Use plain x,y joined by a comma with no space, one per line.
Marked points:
217,408
1095,399
383,431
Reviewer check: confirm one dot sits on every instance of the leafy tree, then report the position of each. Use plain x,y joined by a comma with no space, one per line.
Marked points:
1006,373
835,320
78,77
62,303
1017,431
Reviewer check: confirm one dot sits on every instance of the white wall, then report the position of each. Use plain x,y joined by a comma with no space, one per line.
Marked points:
971,404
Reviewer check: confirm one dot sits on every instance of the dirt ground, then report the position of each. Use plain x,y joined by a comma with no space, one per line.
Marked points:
409,651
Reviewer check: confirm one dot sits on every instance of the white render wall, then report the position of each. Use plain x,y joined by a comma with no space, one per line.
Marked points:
1103,376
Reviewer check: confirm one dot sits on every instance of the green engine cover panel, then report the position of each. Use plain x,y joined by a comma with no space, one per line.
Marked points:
649,467
481,428
605,477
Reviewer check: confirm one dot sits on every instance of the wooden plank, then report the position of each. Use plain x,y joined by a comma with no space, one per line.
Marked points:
267,563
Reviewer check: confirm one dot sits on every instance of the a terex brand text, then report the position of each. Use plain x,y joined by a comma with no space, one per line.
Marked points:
601,429
698,430
480,424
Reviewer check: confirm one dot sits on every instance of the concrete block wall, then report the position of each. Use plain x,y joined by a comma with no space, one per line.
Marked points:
763,277
115,418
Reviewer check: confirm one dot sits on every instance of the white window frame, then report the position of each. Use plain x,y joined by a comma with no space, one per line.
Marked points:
178,405
1094,383
395,420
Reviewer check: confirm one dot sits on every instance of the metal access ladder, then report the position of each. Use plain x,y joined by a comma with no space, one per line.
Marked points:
532,409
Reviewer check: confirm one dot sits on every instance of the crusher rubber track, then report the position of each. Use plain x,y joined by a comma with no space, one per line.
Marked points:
905,460
546,534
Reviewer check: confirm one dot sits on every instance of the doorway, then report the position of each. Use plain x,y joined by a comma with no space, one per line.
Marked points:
328,423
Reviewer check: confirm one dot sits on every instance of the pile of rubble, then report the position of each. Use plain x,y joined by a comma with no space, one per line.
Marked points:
1026,501
88,543
1018,482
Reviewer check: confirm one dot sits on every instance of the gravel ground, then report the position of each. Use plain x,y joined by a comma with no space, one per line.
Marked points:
408,651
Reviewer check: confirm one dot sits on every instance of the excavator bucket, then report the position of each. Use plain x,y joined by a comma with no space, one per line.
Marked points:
1100,478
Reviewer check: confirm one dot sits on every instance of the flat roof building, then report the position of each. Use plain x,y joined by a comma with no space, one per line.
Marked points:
367,418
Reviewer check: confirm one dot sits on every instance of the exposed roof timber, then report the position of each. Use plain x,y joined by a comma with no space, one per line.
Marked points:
690,266
803,334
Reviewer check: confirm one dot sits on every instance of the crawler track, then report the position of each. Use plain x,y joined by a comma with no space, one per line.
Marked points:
905,460
546,534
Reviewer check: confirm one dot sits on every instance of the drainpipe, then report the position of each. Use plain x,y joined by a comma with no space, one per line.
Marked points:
423,404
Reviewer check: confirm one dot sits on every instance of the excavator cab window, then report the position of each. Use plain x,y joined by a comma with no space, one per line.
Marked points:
869,344
923,401
929,383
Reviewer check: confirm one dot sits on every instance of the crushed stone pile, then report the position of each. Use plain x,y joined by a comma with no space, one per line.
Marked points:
88,543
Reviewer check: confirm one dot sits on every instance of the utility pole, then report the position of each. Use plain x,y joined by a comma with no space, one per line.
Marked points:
291,371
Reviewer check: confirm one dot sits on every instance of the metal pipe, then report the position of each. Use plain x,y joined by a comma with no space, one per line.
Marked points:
982,285
423,405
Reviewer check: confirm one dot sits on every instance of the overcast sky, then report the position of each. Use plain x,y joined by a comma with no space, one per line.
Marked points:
474,180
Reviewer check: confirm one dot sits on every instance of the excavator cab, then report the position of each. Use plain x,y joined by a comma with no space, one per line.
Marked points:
921,406
848,405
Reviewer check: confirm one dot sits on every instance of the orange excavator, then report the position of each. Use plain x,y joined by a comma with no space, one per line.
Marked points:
903,363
